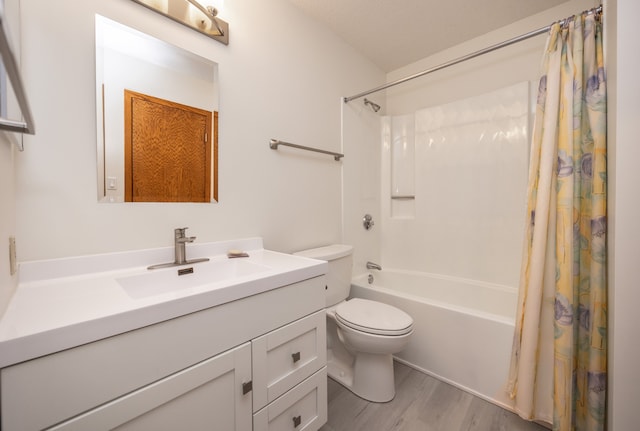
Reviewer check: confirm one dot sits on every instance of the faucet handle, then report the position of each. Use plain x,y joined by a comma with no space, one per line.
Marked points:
180,231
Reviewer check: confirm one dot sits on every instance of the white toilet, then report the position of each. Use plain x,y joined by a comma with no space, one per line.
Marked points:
361,334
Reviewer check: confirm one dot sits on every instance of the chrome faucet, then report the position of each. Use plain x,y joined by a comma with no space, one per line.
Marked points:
179,240
371,265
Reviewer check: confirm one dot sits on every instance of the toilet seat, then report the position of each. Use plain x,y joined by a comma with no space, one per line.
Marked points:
373,317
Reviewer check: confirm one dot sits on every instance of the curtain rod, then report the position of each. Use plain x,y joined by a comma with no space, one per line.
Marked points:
597,10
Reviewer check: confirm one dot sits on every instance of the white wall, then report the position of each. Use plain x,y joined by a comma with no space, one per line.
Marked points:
7,219
622,37
281,76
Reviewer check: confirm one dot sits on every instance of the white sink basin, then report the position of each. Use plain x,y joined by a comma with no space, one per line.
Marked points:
176,278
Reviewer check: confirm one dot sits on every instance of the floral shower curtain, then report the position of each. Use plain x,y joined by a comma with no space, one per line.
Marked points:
563,274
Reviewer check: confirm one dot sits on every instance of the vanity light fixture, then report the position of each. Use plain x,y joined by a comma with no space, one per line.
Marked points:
211,13
192,14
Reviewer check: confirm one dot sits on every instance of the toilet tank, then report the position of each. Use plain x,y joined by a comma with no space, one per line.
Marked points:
340,262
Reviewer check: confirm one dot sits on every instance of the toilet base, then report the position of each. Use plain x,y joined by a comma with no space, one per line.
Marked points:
380,388
368,375
356,376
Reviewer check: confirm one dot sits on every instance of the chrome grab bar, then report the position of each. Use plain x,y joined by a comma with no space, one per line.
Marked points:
273,144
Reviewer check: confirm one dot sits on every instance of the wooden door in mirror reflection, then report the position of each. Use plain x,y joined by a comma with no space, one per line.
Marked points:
168,151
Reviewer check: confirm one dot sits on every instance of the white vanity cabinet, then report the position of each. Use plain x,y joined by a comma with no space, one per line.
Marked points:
254,363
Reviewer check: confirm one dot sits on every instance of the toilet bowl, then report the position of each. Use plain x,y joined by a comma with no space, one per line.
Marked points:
373,332
362,335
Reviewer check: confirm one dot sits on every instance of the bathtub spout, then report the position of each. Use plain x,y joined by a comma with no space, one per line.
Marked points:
371,265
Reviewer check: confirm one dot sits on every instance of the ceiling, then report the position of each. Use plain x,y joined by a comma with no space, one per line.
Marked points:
394,33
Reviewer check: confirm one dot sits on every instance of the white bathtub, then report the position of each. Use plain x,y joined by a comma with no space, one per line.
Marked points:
463,329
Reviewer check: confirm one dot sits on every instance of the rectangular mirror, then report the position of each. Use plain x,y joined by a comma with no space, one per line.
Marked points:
157,110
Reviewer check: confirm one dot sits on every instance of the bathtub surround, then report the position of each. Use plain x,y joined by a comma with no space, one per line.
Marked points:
456,183
399,136
403,147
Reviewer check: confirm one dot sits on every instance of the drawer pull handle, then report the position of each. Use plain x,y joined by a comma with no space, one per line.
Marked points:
247,387
295,356
297,421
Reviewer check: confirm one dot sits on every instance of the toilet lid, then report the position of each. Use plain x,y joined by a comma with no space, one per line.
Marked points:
373,317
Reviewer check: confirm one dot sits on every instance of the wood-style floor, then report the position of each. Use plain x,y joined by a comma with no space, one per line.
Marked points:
422,403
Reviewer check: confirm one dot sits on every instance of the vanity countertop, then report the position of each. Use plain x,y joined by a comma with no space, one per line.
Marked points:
64,303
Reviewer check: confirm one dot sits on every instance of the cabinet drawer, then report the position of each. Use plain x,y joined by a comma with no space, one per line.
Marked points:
287,356
303,408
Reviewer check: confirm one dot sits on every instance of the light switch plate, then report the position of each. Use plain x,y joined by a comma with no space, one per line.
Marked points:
112,183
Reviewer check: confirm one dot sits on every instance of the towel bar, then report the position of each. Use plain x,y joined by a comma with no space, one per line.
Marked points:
273,144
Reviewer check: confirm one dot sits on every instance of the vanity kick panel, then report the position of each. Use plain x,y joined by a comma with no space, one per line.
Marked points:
48,390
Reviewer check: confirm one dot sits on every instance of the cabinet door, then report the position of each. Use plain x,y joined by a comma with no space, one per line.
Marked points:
285,357
208,395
